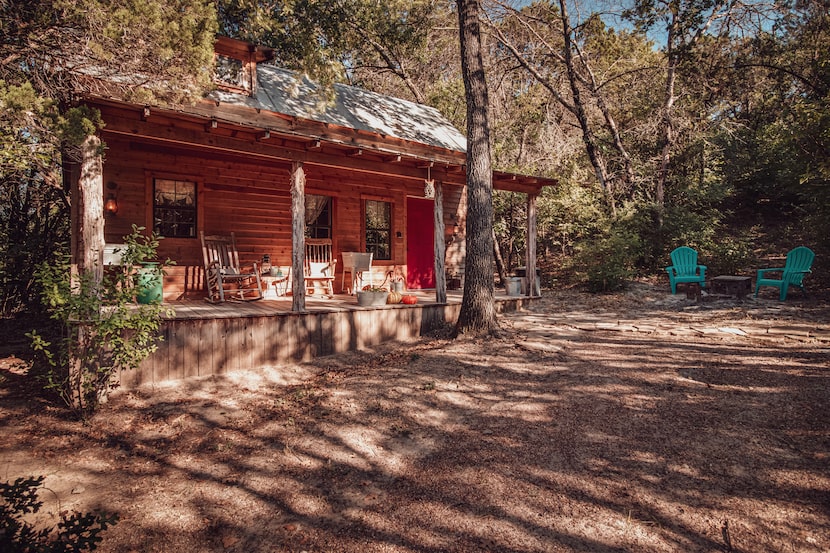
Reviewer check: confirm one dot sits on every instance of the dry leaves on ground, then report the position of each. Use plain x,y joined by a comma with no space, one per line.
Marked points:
631,422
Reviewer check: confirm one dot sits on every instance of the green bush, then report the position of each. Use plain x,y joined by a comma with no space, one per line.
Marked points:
75,532
729,255
104,331
607,263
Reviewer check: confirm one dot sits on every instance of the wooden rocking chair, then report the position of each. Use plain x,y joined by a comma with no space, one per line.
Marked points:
224,277
319,266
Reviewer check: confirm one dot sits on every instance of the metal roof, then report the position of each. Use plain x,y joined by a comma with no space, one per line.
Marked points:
285,92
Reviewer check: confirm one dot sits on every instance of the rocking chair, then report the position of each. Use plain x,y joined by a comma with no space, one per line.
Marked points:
319,266
224,277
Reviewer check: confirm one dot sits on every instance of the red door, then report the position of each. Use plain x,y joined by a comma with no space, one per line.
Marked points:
420,235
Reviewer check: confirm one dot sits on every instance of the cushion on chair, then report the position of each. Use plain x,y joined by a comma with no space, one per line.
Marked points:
318,270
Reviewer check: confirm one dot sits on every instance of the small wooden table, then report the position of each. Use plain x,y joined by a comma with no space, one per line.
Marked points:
280,286
738,286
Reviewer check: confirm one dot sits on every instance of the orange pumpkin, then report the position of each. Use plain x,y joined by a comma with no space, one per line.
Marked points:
394,297
409,299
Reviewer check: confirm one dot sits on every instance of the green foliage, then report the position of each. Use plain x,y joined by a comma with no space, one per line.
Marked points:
568,215
34,205
606,263
79,123
104,331
75,532
728,255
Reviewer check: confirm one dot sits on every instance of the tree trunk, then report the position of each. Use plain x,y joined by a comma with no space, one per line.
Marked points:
667,138
530,264
87,246
88,208
439,245
478,311
298,237
581,115
500,268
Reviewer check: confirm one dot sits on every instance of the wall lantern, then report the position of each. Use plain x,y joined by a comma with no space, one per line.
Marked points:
111,204
429,184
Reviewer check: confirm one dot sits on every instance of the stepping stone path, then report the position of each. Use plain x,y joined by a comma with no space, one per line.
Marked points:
651,309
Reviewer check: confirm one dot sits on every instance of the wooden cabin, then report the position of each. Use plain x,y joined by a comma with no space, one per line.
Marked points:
371,164
375,174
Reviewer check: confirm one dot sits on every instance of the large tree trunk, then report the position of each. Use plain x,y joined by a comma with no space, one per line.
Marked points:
87,247
297,237
439,246
88,210
478,310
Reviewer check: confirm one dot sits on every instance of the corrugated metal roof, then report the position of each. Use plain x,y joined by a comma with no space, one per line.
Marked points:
285,92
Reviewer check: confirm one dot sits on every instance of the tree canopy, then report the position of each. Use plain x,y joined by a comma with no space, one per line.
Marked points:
687,124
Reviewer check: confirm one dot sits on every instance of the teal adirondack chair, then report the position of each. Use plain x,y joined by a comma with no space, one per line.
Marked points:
793,272
684,268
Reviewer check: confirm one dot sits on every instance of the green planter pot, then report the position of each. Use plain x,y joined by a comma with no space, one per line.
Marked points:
149,287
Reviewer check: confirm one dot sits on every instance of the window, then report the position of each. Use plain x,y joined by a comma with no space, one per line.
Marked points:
317,216
379,229
174,208
231,71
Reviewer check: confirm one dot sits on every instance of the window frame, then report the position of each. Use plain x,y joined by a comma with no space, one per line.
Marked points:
156,224
244,74
329,227
370,246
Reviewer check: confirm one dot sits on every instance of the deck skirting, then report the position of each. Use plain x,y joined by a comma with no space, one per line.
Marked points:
203,346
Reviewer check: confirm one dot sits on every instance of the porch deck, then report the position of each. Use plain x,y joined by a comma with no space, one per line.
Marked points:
202,339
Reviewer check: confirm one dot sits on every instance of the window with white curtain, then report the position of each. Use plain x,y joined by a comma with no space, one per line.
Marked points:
174,208
317,216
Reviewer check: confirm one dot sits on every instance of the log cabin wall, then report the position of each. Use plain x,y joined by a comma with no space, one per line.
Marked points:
249,195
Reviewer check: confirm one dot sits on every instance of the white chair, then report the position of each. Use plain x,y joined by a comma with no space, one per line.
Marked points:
319,266
355,263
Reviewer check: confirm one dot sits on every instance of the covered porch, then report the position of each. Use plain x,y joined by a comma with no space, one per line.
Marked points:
203,339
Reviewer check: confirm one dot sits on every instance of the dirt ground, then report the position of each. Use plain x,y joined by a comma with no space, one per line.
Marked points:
638,421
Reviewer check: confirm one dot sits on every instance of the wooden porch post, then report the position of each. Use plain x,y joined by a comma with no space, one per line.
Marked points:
87,212
298,236
86,224
530,264
439,244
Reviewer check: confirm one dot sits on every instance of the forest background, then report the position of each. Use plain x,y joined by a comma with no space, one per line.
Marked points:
682,122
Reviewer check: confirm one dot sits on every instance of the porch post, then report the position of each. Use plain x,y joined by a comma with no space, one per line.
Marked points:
297,236
439,244
530,264
86,227
87,211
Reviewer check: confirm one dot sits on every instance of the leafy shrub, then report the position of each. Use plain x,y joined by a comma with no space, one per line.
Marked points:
104,331
75,532
730,255
607,263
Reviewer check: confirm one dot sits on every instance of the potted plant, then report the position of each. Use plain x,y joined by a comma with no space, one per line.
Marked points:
396,279
141,253
372,296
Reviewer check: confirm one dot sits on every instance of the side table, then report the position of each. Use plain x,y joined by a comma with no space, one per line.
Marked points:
738,286
275,286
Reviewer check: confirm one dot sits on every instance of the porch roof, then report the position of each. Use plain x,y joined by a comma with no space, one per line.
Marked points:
287,93
284,104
